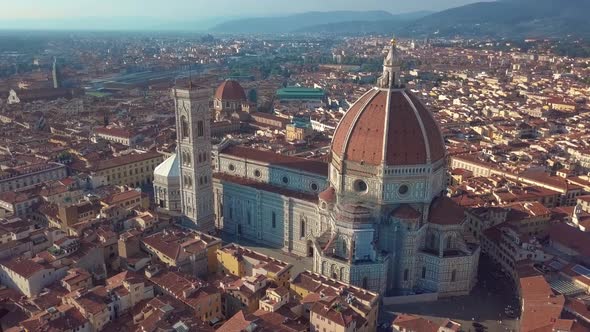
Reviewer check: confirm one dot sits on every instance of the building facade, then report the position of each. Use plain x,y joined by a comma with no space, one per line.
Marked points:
167,184
193,123
374,217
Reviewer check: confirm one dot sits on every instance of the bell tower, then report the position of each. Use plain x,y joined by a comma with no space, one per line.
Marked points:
193,137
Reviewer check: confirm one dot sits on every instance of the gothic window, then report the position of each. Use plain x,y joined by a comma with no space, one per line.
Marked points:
200,129
249,216
453,275
274,219
406,274
184,127
365,283
344,248
186,158
423,272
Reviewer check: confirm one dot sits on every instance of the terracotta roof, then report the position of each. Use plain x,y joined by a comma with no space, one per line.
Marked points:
264,187
570,237
23,267
116,132
338,312
411,323
193,292
125,160
238,322
230,90
541,308
408,131
122,197
275,159
328,195
444,211
175,244
405,211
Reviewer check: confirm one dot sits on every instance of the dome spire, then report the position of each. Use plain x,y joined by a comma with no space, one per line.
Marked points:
390,79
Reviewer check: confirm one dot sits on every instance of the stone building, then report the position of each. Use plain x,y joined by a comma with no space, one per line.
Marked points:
376,216
167,184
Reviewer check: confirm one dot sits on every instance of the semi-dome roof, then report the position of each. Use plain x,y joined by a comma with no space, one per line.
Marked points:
230,90
328,195
390,127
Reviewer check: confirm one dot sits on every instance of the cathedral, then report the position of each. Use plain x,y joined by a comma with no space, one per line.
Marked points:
375,216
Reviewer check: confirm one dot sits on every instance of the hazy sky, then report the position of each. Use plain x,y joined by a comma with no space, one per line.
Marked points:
18,9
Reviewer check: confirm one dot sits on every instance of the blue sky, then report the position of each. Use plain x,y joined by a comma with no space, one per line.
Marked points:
170,9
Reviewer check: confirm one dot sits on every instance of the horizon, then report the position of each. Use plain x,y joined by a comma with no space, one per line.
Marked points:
66,14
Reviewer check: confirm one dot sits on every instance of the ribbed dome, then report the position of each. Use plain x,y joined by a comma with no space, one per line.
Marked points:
230,90
407,134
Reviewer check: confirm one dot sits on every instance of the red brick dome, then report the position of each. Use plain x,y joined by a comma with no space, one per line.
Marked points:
230,90
406,134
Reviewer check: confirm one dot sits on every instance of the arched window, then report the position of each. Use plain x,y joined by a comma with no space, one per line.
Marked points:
188,182
184,127
186,158
453,275
365,283
406,274
424,272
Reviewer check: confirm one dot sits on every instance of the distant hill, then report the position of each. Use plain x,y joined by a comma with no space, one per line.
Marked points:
394,23
507,18
299,22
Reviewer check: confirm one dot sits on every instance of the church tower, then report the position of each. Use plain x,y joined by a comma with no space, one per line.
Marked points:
193,128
